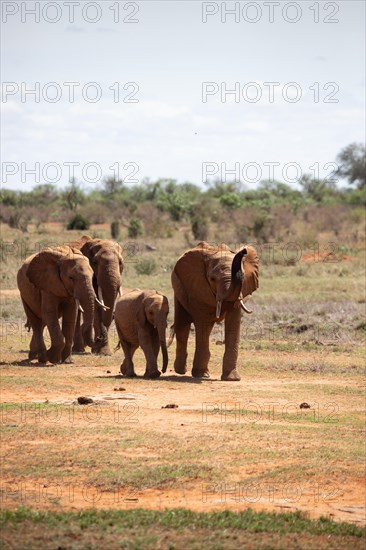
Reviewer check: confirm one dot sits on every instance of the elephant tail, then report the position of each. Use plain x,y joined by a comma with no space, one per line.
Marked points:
171,336
32,318
118,346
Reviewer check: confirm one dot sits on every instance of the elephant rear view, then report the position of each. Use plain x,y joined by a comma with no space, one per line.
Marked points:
210,284
141,321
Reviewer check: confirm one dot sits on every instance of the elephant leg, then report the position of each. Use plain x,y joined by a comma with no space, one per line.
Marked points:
145,340
37,347
78,336
128,350
202,351
69,315
123,367
127,367
152,370
232,338
50,315
182,324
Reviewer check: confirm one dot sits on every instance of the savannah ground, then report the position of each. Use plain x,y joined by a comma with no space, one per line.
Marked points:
243,447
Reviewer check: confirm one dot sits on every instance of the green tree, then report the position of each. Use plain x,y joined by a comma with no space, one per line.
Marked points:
9,197
135,228
78,222
217,188
352,160
112,186
73,195
318,190
231,201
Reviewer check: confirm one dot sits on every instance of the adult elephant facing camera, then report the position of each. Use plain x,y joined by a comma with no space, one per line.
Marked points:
210,284
105,257
52,284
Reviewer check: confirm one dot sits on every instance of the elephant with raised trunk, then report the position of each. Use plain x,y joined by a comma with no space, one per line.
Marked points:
141,320
105,257
210,285
53,284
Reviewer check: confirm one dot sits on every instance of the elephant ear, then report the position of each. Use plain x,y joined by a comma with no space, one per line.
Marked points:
141,315
189,276
80,243
88,247
251,271
44,271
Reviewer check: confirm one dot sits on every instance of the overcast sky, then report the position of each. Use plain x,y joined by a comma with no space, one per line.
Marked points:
175,60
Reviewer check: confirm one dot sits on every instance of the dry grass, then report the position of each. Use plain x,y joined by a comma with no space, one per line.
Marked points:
226,446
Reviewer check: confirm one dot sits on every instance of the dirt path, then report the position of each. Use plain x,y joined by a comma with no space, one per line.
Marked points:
247,431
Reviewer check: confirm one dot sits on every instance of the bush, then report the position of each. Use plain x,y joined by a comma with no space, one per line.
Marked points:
231,201
19,218
146,266
78,222
135,228
243,233
200,229
115,230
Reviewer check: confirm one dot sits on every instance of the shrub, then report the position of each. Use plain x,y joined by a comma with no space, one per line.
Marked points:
200,229
115,230
19,218
146,266
243,233
78,222
135,228
230,201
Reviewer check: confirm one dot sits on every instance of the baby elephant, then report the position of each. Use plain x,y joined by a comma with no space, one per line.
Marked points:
141,320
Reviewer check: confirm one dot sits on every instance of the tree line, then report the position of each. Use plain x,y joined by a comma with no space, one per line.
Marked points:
135,206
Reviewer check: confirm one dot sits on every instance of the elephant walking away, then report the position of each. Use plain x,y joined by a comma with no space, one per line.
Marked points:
141,320
53,284
210,285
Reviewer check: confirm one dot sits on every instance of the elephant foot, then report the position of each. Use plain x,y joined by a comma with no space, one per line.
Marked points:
123,368
179,368
42,357
68,360
54,356
102,351
200,374
78,349
131,374
232,376
152,375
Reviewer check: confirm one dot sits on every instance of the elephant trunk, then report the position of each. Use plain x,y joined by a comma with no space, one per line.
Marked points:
236,280
85,295
109,282
164,352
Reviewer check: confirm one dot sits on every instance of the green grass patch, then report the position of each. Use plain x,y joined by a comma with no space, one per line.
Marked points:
179,518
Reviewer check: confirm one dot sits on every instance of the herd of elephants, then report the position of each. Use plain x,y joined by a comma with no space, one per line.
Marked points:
80,283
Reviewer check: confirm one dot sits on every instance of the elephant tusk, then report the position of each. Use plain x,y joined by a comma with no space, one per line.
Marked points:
79,306
100,296
101,304
218,309
244,307
120,291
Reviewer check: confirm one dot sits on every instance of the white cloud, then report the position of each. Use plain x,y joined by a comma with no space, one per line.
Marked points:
10,107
